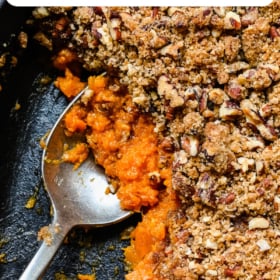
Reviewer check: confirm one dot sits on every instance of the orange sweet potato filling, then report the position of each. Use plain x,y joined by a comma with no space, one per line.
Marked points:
125,144
148,237
70,85
75,120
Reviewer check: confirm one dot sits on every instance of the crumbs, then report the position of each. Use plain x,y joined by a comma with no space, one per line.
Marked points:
45,235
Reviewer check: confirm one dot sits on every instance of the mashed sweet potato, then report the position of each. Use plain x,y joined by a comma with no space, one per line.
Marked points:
123,141
148,238
70,85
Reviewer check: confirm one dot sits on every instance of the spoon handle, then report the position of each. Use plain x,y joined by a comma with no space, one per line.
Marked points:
46,252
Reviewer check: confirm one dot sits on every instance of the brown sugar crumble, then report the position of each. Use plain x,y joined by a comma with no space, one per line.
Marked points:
210,78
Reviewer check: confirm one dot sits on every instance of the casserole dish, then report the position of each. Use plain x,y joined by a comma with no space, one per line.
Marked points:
210,78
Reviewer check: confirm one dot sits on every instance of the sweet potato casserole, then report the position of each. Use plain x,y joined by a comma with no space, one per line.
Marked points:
192,107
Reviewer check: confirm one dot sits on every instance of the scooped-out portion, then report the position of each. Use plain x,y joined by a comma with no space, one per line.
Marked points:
137,164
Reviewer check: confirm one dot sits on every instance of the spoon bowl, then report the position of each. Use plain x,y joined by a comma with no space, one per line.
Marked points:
79,196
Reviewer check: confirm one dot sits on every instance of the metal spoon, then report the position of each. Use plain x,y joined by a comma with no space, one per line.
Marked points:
78,196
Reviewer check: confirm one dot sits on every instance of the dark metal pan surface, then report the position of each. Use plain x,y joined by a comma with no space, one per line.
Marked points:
30,85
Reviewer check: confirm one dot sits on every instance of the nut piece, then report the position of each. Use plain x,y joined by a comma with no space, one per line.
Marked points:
252,117
236,91
209,244
229,110
206,190
258,223
253,143
172,49
114,28
245,163
157,41
263,245
190,144
232,21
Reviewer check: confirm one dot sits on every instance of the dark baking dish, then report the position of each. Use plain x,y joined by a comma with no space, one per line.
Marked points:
96,251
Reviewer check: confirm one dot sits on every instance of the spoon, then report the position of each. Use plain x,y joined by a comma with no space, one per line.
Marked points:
78,196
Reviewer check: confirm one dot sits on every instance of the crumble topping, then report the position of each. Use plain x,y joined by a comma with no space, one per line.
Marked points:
210,79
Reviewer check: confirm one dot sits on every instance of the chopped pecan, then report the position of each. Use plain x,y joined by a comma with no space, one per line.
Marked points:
96,35
265,110
206,190
158,41
259,167
172,49
103,34
229,110
232,21
193,92
237,66
180,158
128,21
190,145
172,10
98,10
245,163
179,18
202,16
229,198
253,143
274,32
236,91
220,11
114,27
181,184
203,101
252,117
250,16
263,245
